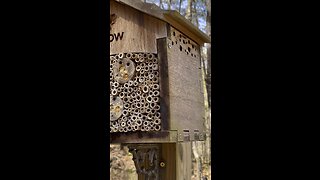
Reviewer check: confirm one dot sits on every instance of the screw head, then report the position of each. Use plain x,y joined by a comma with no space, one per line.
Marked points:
162,164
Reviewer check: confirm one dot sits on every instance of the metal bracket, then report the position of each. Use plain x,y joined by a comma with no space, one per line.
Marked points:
196,135
186,135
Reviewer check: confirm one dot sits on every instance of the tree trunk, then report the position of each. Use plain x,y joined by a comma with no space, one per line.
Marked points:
169,4
189,10
195,16
161,4
180,4
207,153
203,149
208,31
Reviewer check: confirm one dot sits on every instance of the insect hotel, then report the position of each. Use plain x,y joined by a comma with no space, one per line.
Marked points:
156,90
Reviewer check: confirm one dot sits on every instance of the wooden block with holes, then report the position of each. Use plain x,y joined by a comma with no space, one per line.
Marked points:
156,93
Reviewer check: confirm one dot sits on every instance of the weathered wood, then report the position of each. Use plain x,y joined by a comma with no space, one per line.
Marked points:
177,159
185,44
185,26
164,85
169,16
183,161
138,31
174,160
144,137
168,156
138,27
185,87
181,91
147,8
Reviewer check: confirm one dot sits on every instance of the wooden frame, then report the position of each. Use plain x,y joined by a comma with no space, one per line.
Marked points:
177,44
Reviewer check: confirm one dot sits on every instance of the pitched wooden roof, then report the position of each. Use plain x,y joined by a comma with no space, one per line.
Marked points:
170,16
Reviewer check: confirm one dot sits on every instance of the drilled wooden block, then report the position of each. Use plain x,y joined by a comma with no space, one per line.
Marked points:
183,44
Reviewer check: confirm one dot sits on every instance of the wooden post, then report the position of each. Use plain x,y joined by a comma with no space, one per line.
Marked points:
168,157
167,46
177,159
172,162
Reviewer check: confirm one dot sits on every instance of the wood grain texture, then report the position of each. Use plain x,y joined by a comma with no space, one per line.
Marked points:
168,156
185,89
177,157
144,137
183,161
140,30
170,16
164,85
181,90
182,24
184,43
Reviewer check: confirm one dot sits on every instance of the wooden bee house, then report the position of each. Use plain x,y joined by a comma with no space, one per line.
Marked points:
156,90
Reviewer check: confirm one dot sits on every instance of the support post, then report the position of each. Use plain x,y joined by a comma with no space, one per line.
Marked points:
162,161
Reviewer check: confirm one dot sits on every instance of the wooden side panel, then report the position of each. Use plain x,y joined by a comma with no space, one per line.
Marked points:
168,156
184,162
133,31
178,163
185,84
